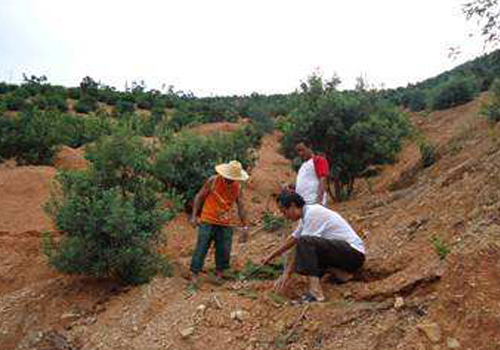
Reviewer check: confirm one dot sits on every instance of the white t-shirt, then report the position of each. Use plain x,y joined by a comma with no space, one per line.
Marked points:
319,221
308,182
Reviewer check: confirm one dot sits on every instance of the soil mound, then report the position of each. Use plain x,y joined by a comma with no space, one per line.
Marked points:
70,159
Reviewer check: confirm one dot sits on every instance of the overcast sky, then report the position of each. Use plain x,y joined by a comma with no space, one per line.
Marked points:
221,47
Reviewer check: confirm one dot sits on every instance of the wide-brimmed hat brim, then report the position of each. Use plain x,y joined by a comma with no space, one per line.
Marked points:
225,171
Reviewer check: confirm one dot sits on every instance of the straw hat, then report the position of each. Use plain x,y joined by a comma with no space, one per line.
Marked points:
232,171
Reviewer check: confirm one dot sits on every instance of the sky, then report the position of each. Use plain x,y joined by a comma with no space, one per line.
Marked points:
227,47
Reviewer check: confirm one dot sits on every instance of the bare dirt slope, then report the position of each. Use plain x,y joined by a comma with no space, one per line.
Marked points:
406,298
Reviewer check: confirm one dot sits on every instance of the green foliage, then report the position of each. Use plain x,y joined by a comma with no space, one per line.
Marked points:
31,137
415,100
454,92
492,108
353,130
109,216
86,105
16,100
76,131
252,271
124,106
184,163
428,152
272,222
440,247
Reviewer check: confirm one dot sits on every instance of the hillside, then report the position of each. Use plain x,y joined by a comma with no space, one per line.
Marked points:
406,298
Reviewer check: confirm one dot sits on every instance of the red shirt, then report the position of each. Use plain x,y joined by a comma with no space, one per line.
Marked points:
321,166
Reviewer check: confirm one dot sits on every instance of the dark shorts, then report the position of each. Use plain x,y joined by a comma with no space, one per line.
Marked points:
315,255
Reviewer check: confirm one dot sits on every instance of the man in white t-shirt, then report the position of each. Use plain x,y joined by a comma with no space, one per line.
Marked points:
323,240
312,175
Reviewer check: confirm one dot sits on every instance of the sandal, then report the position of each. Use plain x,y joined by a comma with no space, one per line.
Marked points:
336,280
310,298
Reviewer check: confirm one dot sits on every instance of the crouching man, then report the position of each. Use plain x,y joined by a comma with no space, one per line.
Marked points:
324,242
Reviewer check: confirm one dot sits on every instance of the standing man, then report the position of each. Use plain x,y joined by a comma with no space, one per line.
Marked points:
215,200
324,242
311,178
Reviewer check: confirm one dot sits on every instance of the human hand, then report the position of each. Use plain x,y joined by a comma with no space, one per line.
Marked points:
267,260
281,283
193,221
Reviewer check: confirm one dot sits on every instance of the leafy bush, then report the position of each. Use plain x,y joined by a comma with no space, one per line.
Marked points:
188,160
415,100
428,152
109,216
76,131
453,92
354,130
272,222
124,106
6,88
73,93
181,118
492,108
86,105
30,137
16,101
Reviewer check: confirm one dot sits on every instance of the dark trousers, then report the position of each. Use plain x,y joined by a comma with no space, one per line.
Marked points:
315,255
223,238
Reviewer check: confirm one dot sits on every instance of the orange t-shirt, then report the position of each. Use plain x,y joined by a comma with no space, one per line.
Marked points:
218,203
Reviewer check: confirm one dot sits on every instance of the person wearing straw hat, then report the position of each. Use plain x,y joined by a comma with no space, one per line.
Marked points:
215,201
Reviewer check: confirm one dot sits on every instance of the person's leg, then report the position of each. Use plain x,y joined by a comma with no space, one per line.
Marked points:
339,256
205,236
307,263
223,245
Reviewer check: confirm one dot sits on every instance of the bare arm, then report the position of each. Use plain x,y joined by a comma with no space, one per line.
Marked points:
288,244
241,208
321,189
201,196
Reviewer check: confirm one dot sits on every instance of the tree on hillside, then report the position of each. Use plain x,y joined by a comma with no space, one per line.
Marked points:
354,130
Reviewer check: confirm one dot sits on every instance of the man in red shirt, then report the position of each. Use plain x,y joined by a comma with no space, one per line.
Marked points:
311,178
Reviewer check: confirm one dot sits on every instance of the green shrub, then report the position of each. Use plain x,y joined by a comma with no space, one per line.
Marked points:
428,152
109,216
454,92
272,222
6,88
31,137
181,118
124,106
491,109
184,163
86,105
416,100
74,93
353,130
440,247
15,101
76,131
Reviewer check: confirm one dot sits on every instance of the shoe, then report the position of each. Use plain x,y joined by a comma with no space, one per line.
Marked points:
336,280
310,298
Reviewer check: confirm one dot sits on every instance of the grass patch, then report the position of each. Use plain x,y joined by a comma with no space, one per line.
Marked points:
440,247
